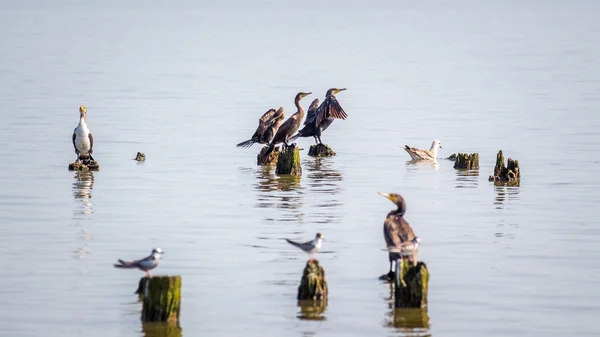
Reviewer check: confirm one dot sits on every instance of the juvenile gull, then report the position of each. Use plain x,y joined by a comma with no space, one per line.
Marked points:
309,247
83,142
268,125
428,155
146,264
398,232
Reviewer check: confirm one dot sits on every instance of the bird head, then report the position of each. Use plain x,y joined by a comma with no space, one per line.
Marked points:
82,111
436,143
157,252
301,95
319,236
334,91
397,199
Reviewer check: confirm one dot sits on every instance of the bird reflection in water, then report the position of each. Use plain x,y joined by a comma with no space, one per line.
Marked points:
312,310
504,193
324,186
467,178
278,192
82,192
408,321
422,165
166,329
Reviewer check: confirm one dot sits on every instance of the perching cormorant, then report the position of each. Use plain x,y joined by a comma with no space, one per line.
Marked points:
291,125
268,125
329,110
83,141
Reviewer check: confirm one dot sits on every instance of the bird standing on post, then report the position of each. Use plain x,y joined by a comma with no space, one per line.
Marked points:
268,125
291,125
398,232
83,142
309,247
322,118
146,264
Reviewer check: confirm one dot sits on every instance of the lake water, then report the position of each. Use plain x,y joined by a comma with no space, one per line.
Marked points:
185,81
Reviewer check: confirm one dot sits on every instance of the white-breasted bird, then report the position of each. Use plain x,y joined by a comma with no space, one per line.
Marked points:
83,141
428,155
146,264
309,247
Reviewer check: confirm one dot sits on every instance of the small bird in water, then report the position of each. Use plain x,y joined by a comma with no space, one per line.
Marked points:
398,232
83,142
268,125
146,264
428,155
319,119
309,247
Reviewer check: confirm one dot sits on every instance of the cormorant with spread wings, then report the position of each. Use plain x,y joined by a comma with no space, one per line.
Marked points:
322,118
268,125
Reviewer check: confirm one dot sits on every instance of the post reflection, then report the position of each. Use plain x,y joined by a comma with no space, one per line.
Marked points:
324,184
166,329
279,193
505,194
406,321
82,194
467,178
312,310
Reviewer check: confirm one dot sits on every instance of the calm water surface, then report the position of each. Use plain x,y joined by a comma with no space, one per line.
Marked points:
185,81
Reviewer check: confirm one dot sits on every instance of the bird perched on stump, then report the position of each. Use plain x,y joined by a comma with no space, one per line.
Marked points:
146,264
309,247
290,126
398,232
83,142
268,125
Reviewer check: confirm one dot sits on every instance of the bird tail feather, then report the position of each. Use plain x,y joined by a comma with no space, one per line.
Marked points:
294,137
247,143
293,243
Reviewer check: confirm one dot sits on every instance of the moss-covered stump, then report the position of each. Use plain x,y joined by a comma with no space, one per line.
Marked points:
412,285
84,164
411,318
161,329
313,285
161,296
320,150
452,157
141,156
271,159
289,162
312,310
465,161
510,174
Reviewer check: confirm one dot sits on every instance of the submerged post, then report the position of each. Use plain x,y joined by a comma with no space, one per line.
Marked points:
84,164
510,173
161,297
320,150
140,156
467,161
313,285
412,284
289,162
262,159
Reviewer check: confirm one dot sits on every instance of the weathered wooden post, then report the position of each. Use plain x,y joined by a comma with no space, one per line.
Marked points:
412,284
161,329
289,162
161,297
465,161
262,159
141,156
313,285
84,164
320,150
510,174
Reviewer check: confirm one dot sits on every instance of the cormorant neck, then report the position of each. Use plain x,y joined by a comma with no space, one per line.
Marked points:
299,106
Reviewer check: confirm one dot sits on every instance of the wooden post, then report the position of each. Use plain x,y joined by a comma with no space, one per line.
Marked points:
84,164
271,159
289,162
141,156
313,285
467,161
320,150
161,329
510,174
412,284
161,296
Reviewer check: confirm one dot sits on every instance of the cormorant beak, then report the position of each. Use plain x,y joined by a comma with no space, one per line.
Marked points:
308,93
340,90
387,195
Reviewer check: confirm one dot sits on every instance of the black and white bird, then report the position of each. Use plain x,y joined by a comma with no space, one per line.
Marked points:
83,141
309,247
146,264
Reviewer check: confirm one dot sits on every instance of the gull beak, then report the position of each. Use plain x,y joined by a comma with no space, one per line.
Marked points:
440,146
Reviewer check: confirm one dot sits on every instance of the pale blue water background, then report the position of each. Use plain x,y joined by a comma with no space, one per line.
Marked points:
185,81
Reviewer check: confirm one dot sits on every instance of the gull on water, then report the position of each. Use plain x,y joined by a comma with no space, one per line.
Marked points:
428,155
146,264
309,247
83,142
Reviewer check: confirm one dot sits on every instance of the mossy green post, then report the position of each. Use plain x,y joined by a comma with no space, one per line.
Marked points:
313,285
266,160
161,298
412,284
509,174
289,162
465,161
320,150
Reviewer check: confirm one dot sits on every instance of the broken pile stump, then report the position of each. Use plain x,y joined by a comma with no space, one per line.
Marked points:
289,162
465,161
313,285
412,284
161,298
84,164
510,174
262,159
320,150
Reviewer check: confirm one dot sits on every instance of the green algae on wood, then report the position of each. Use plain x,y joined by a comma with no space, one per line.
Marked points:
84,164
412,284
320,150
313,285
452,157
161,329
270,159
509,174
288,162
465,161
161,298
